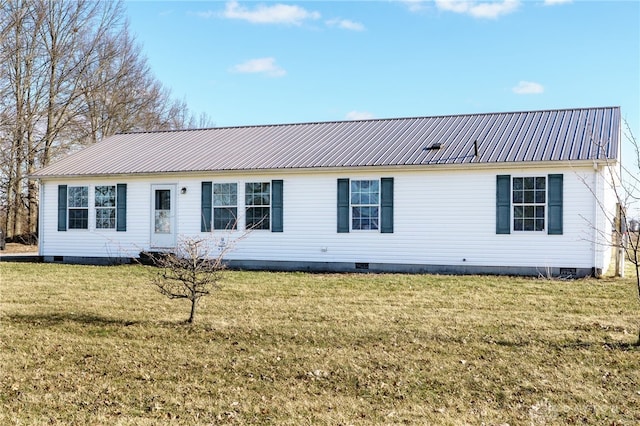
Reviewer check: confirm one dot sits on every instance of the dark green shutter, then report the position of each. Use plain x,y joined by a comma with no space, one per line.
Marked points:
555,205
62,207
276,206
503,204
386,205
121,214
343,205
205,206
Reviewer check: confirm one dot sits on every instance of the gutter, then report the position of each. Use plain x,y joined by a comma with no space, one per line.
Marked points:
338,169
40,220
596,223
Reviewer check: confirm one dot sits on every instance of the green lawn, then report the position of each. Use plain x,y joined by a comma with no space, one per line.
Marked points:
98,345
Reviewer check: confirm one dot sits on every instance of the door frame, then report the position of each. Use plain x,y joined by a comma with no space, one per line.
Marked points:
164,240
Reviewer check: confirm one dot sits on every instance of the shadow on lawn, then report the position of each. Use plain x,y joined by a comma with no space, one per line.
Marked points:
56,318
607,345
571,345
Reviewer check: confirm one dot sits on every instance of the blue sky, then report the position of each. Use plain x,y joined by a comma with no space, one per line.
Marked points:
246,63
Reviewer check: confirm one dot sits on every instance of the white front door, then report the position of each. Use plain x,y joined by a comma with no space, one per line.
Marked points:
163,216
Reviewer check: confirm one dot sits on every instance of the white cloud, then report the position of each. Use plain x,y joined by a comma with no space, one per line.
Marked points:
265,66
414,5
528,88
207,14
482,9
345,24
359,115
555,2
275,14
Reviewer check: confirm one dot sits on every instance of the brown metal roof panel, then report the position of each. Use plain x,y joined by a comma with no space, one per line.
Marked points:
540,122
607,124
317,145
581,136
512,133
478,133
544,143
493,131
562,138
569,142
492,137
383,147
589,149
519,136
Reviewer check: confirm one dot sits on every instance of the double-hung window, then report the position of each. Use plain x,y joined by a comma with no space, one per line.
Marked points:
225,205
529,201
105,203
365,204
258,205
78,207
263,206
109,208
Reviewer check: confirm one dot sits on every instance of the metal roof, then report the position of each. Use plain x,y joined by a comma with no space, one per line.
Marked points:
527,136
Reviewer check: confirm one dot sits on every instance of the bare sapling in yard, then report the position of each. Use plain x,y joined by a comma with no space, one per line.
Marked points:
633,188
193,270
625,185
631,238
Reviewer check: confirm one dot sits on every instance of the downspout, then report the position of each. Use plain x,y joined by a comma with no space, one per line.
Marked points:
40,218
596,224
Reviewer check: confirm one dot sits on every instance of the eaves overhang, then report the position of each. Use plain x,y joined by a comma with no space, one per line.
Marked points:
343,169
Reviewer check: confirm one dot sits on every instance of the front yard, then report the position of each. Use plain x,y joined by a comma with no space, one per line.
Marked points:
98,345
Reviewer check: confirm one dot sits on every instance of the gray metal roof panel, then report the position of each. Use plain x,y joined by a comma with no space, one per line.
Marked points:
552,135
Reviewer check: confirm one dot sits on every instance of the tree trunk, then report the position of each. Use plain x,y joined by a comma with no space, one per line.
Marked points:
70,74
192,315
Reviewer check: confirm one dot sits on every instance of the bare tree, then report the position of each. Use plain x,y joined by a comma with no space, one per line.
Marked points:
629,198
193,271
624,183
70,75
630,241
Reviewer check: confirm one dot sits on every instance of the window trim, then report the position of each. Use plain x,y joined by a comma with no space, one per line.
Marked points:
64,208
77,208
248,206
214,207
529,204
114,208
275,206
554,211
377,206
386,198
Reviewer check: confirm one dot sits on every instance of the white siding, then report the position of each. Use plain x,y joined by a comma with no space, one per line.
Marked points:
96,242
608,194
441,217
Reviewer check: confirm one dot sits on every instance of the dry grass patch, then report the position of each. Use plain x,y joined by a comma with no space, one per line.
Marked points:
98,345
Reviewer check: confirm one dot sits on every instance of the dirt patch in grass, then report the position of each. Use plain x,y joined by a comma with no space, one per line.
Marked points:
12,248
97,345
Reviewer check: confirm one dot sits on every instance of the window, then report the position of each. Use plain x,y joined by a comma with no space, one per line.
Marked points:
109,208
365,204
535,202
258,205
529,202
78,206
105,203
162,210
225,201
264,206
